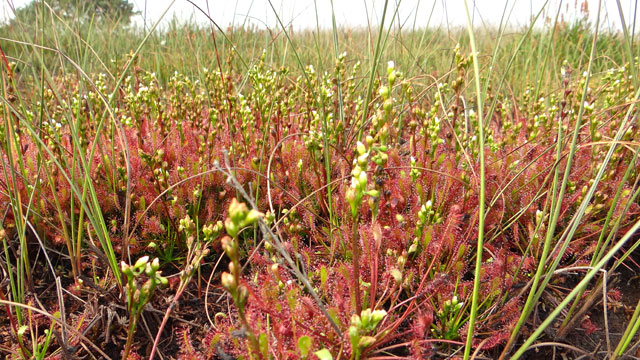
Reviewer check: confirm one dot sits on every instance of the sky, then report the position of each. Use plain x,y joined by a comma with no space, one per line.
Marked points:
359,13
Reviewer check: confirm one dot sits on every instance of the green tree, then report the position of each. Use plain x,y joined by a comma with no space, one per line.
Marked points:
79,10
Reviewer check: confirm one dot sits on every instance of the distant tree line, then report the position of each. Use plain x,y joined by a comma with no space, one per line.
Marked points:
76,10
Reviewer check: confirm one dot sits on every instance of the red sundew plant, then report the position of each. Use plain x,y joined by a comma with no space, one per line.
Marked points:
370,257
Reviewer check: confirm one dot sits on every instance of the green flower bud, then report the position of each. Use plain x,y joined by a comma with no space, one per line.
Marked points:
356,171
353,335
397,276
384,92
274,269
422,215
228,281
232,267
387,105
227,246
164,282
252,217
268,246
269,217
237,211
392,78
148,270
369,140
255,162
207,230
243,296
373,193
232,228
362,180
136,297
147,289
402,260
350,195
377,316
141,262
356,321
383,159
366,341
413,248
126,269
365,318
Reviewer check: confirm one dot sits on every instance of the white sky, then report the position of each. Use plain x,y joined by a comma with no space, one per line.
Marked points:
357,13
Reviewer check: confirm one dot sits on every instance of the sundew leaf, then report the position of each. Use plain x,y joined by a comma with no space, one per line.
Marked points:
323,354
323,276
304,345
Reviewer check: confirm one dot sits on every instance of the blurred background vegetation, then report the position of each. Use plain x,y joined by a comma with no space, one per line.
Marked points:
99,35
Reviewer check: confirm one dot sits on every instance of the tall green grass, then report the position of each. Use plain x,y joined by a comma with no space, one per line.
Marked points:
164,50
